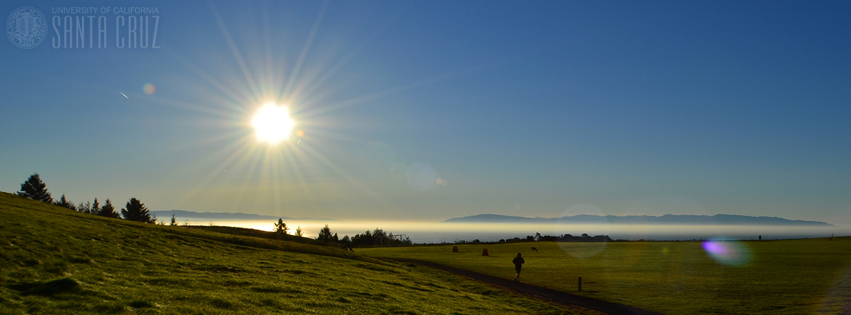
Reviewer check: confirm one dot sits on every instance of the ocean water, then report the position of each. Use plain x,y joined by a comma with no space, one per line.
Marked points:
437,232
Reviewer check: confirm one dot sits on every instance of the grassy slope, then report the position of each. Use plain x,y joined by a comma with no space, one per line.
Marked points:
53,260
779,277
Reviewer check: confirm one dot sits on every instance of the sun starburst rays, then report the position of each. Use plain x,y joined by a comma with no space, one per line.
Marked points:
292,157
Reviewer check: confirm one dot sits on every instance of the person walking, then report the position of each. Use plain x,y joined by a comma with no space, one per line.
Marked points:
518,263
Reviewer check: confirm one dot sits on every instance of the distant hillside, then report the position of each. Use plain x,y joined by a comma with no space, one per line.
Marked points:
183,214
718,219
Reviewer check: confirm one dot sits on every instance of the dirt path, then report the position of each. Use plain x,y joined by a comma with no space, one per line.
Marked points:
556,296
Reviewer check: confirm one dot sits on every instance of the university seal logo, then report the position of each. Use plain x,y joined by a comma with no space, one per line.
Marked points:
26,27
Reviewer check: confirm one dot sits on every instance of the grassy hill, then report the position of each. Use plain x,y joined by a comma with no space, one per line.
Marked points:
55,261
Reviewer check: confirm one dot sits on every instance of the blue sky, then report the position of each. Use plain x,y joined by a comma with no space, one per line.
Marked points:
432,110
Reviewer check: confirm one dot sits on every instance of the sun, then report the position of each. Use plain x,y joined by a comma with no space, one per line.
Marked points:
272,123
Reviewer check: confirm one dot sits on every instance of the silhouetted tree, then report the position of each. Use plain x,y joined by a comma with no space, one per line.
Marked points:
35,189
380,237
135,210
85,208
281,227
173,221
65,203
95,207
377,237
108,210
325,234
363,239
298,231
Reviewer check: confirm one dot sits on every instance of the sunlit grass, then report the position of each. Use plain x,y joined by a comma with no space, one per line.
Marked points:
53,260
779,277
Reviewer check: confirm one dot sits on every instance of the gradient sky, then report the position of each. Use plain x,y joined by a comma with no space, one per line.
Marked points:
531,108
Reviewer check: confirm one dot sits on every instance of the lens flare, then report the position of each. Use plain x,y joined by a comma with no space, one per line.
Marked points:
422,176
598,226
727,252
149,89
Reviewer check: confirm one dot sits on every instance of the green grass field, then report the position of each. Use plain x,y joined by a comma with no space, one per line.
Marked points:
56,261
771,277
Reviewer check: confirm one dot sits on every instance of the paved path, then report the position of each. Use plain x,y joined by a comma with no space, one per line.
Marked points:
557,296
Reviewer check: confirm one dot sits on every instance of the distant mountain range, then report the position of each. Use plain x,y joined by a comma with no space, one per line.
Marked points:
718,219
183,215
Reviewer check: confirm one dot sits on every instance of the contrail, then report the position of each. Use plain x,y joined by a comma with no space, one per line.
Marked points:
125,95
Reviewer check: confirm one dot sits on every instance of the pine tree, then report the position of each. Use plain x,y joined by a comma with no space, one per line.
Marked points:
325,234
85,208
95,207
108,210
35,189
281,227
173,221
65,203
135,210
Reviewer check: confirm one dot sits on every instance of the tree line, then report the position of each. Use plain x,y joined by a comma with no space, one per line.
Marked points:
377,237
34,188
